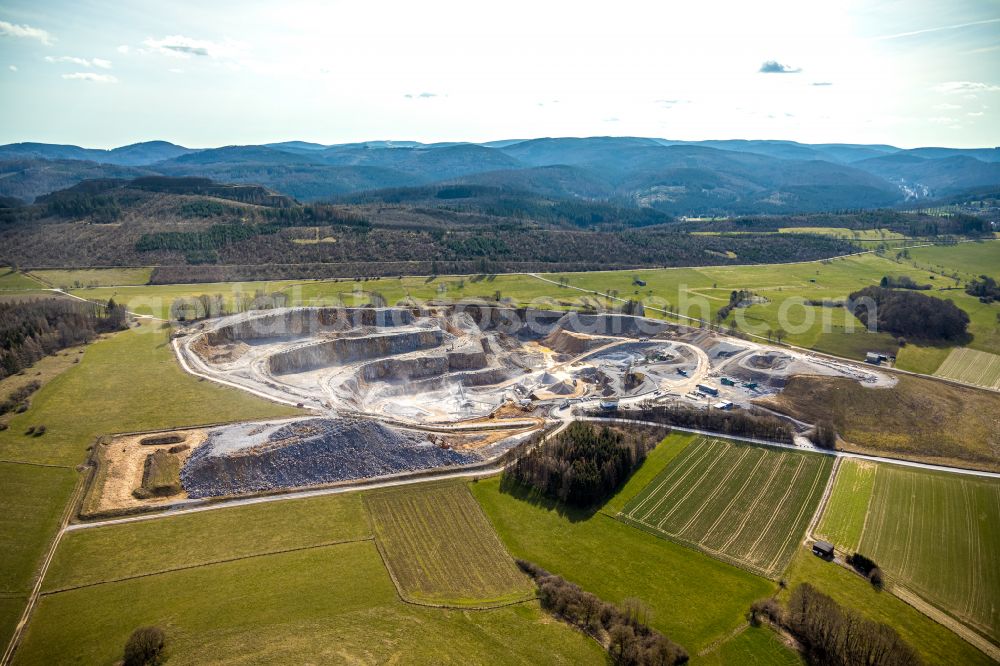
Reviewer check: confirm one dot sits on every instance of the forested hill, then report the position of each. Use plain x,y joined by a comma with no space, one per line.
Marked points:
707,178
195,230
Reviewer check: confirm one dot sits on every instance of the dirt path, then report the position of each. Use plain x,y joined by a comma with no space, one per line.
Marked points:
970,636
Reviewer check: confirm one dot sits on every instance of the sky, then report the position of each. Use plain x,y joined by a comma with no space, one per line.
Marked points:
101,74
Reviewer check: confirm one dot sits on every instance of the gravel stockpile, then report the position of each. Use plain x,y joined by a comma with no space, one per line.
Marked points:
257,457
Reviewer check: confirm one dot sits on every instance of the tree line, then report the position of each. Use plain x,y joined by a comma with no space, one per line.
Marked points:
726,422
831,635
206,306
582,465
984,288
35,328
622,630
909,313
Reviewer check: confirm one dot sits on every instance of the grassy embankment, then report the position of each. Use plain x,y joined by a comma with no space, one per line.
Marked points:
917,419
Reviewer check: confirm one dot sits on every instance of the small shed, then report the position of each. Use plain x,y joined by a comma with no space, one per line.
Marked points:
823,549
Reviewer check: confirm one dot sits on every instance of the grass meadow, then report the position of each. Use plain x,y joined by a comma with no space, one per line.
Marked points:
694,599
441,550
325,604
93,277
748,505
969,260
127,381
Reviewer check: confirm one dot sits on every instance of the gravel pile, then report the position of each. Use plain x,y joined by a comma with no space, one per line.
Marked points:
257,457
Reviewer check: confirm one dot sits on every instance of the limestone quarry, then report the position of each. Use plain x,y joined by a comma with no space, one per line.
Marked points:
396,391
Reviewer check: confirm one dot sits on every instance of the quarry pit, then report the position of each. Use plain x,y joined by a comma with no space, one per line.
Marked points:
401,391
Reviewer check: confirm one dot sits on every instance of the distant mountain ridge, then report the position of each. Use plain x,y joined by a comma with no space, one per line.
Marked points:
712,177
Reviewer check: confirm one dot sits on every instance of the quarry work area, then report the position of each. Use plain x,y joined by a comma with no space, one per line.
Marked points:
397,391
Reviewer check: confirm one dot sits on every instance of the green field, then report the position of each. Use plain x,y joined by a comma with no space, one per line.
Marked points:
102,554
288,581
967,259
11,280
748,505
694,599
936,534
756,646
935,643
128,381
972,367
32,498
328,604
844,232
94,277
125,382
441,550
844,515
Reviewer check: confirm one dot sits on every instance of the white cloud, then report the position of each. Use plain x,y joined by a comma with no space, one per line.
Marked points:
123,49
175,70
82,62
179,46
423,95
12,68
25,31
91,76
775,67
965,87
975,114
947,107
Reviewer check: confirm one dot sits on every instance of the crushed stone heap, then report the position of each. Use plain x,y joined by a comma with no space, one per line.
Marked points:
256,457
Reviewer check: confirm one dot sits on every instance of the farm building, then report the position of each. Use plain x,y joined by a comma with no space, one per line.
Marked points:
823,549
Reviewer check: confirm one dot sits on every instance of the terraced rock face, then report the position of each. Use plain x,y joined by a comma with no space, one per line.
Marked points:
248,458
340,351
305,322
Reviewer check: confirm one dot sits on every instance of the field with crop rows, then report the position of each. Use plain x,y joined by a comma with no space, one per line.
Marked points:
936,534
748,505
844,515
441,549
972,367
